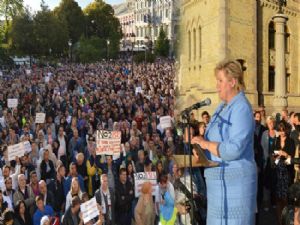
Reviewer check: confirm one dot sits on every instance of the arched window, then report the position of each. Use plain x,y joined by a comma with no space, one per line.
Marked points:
200,42
271,35
271,80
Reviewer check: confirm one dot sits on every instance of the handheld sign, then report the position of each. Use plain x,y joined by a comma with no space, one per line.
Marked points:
141,178
108,142
138,90
15,150
12,102
165,122
40,118
89,210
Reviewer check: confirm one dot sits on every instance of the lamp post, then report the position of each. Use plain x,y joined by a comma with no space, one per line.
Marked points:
107,45
70,49
146,46
132,35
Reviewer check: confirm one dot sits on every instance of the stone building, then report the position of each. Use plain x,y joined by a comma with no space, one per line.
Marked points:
264,41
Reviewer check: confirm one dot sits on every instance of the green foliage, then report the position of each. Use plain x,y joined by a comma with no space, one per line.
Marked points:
35,35
140,57
4,57
50,33
162,46
70,12
9,9
91,50
102,23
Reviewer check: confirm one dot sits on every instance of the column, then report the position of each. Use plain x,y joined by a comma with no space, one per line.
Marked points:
280,98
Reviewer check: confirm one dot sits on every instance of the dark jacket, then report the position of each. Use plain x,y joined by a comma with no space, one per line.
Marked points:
67,220
124,197
112,199
58,188
47,175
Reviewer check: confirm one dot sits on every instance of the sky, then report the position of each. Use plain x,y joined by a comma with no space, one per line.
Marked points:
35,4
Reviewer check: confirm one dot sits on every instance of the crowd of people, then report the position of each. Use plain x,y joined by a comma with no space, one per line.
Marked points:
49,183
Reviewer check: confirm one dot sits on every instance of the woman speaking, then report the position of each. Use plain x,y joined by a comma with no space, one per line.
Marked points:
231,187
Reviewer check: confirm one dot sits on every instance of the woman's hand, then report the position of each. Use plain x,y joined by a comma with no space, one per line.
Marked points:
283,153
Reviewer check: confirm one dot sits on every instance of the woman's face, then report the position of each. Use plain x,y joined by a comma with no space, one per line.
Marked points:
202,130
75,186
282,133
270,125
130,168
22,208
159,167
225,86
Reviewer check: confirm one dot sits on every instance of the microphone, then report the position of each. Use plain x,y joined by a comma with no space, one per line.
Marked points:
198,105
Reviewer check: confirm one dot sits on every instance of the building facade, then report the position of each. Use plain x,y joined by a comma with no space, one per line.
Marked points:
144,18
243,30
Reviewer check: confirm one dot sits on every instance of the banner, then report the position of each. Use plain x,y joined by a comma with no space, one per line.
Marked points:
12,102
89,210
140,178
15,150
165,122
108,142
40,118
138,90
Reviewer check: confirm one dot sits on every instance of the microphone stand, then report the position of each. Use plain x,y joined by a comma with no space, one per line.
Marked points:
185,115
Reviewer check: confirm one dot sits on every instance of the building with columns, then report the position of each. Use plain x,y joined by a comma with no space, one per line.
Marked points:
264,41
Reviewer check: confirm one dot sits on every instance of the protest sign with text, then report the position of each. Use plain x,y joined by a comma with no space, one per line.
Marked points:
165,122
140,178
40,118
12,102
89,210
15,150
108,142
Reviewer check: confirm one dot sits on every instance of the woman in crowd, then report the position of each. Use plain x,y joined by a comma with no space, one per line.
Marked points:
74,191
22,216
144,210
285,150
268,145
130,172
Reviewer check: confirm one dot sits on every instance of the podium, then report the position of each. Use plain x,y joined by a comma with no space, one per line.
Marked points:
202,161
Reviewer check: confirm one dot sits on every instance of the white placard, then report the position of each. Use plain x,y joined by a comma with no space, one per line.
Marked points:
40,118
27,147
28,72
108,142
140,178
1,73
89,210
15,150
165,122
138,90
47,79
12,102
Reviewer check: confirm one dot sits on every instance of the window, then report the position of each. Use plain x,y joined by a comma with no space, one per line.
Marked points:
286,39
200,42
288,84
271,35
167,13
271,78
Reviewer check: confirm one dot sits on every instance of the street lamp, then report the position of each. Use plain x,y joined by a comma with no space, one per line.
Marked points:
70,49
107,43
132,35
146,46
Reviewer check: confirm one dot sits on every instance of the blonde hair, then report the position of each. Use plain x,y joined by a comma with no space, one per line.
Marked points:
232,69
146,188
270,118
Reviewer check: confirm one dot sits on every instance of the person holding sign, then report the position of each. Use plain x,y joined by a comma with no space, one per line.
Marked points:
144,210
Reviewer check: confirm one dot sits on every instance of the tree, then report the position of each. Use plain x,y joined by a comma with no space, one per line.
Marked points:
91,50
22,35
51,33
102,23
70,12
9,9
162,46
